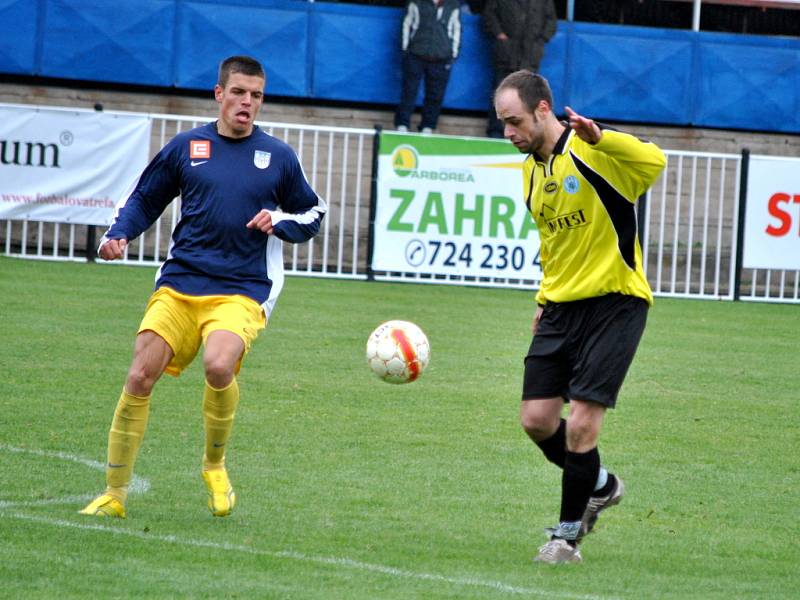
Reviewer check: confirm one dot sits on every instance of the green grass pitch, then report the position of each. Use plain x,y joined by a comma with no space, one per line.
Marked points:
350,488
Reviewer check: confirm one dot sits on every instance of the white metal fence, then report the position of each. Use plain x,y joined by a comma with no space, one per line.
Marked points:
688,221
691,230
337,162
690,226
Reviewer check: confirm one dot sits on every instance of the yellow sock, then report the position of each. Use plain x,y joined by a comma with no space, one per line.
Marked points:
219,409
124,439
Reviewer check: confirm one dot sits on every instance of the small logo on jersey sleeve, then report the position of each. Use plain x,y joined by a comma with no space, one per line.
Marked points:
200,149
571,184
261,159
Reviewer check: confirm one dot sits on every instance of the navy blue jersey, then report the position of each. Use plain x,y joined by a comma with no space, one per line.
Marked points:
223,183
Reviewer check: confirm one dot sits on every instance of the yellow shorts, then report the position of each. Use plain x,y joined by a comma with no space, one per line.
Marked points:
186,321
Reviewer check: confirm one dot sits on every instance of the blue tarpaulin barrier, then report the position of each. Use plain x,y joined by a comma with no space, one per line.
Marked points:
350,53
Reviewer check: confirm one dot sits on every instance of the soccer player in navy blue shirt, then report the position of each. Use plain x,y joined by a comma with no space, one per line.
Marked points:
243,193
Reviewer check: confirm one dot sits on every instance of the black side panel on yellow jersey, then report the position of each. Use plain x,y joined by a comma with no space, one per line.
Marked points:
621,212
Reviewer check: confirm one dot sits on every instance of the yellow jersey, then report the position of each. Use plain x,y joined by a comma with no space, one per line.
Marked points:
582,199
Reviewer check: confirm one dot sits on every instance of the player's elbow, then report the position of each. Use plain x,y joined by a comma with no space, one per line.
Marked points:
661,160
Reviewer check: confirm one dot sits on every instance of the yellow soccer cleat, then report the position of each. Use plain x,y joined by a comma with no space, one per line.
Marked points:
221,497
104,506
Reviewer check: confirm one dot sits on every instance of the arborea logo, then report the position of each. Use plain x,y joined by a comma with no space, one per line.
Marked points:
405,160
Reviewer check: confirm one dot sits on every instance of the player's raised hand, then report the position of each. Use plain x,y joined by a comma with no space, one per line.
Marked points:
113,249
262,221
586,129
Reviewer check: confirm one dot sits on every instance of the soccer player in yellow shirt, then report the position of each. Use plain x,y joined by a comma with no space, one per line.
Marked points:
581,183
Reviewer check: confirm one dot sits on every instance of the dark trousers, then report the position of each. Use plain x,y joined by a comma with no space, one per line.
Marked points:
436,75
494,126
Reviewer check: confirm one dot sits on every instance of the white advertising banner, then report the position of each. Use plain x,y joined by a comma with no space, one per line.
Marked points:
68,166
772,214
453,206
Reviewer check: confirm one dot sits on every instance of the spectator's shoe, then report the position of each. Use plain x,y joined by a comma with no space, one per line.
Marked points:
557,552
402,128
221,498
597,504
104,506
426,131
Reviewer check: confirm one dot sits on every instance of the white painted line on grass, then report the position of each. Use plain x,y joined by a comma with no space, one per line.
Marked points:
140,485
45,502
325,560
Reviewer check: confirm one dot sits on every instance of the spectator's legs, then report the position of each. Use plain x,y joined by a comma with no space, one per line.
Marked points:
437,74
412,75
494,126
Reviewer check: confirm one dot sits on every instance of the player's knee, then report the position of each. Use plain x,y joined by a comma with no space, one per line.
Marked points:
538,426
219,372
581,434
139,382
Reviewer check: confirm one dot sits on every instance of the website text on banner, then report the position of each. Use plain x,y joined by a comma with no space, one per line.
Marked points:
68,166
453,206
772,214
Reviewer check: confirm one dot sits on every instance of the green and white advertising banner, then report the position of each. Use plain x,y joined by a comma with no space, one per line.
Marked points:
453,206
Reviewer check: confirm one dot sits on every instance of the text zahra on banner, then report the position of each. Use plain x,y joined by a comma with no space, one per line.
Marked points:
453,206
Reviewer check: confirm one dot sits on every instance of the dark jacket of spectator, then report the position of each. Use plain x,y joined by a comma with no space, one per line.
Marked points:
432,30
529,24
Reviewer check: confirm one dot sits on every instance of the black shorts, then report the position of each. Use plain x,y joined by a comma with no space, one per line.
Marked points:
582,349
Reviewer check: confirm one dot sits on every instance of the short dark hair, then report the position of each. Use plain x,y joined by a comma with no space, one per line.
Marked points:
245,65
532,88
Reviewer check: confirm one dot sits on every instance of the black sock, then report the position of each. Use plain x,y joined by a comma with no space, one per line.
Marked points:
606,489
577,483
554,448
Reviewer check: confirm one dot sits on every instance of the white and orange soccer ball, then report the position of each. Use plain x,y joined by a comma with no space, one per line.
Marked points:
398,352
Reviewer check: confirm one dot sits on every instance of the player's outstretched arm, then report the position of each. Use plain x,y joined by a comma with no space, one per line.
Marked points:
113,249
586,129
640,162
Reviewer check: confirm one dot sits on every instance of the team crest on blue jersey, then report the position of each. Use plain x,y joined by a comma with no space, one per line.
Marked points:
261,159
571,184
